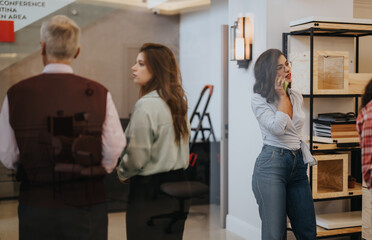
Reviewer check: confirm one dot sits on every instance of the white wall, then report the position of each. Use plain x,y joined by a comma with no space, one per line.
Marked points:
281,12
244,134
200,56
270,19
279,22
105,55
279,16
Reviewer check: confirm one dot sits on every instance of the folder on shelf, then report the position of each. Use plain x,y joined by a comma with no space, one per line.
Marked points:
337,117
336,132
348,145
341,125
323,139
339,220
346,134
344,142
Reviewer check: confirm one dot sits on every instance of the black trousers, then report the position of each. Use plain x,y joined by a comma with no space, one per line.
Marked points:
88,223
146,200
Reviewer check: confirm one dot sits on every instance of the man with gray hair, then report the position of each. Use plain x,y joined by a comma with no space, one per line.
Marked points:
62,134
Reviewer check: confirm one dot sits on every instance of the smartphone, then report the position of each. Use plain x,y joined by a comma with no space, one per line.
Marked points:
285,85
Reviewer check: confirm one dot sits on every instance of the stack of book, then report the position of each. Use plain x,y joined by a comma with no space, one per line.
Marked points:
339,128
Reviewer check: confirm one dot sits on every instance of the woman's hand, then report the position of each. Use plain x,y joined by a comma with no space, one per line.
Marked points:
284,103
279,86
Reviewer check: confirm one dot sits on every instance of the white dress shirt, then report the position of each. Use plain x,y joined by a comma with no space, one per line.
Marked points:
277,128
113,138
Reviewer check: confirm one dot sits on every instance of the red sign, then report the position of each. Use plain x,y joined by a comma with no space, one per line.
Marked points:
6,31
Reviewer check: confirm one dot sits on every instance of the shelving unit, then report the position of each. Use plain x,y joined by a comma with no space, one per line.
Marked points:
355,28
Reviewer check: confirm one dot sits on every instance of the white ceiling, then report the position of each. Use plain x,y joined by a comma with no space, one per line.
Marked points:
167,7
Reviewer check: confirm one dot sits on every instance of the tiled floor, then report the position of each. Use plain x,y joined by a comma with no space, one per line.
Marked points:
202,223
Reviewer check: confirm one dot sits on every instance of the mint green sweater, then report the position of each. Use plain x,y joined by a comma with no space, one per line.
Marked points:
152,148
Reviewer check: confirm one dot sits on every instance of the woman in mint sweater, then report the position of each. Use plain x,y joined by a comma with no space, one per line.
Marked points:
158,148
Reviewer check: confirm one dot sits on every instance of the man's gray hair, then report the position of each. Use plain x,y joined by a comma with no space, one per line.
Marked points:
61,36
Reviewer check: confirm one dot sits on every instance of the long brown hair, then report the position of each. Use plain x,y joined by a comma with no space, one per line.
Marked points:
265,73
166,80
367,96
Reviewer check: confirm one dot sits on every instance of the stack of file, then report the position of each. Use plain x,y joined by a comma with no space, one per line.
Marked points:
322,129
322,132
337,117
335,129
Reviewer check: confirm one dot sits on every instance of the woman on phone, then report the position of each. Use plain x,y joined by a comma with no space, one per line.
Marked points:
280,183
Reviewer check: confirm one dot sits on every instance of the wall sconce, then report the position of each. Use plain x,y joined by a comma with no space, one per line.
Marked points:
241,41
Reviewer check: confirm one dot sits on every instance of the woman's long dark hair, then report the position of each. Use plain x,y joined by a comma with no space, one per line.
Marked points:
166,80
265,74
367,96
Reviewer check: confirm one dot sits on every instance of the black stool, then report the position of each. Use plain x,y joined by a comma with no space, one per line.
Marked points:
181,191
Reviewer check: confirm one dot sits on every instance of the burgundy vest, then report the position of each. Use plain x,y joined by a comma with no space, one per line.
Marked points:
48,113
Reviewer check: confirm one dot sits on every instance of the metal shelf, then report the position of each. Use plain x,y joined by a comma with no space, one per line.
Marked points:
324,32
336,198
328,32
335,150
352,193
332,95
323,233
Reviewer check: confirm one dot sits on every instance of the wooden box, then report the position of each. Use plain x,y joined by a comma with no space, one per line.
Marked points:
330,176
330,72
358,82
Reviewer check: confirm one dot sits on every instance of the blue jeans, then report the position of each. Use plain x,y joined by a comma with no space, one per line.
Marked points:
281,188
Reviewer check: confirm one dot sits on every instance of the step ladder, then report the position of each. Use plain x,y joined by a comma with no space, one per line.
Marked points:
206,131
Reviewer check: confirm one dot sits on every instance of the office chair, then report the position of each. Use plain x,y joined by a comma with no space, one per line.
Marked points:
186,190
181,191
